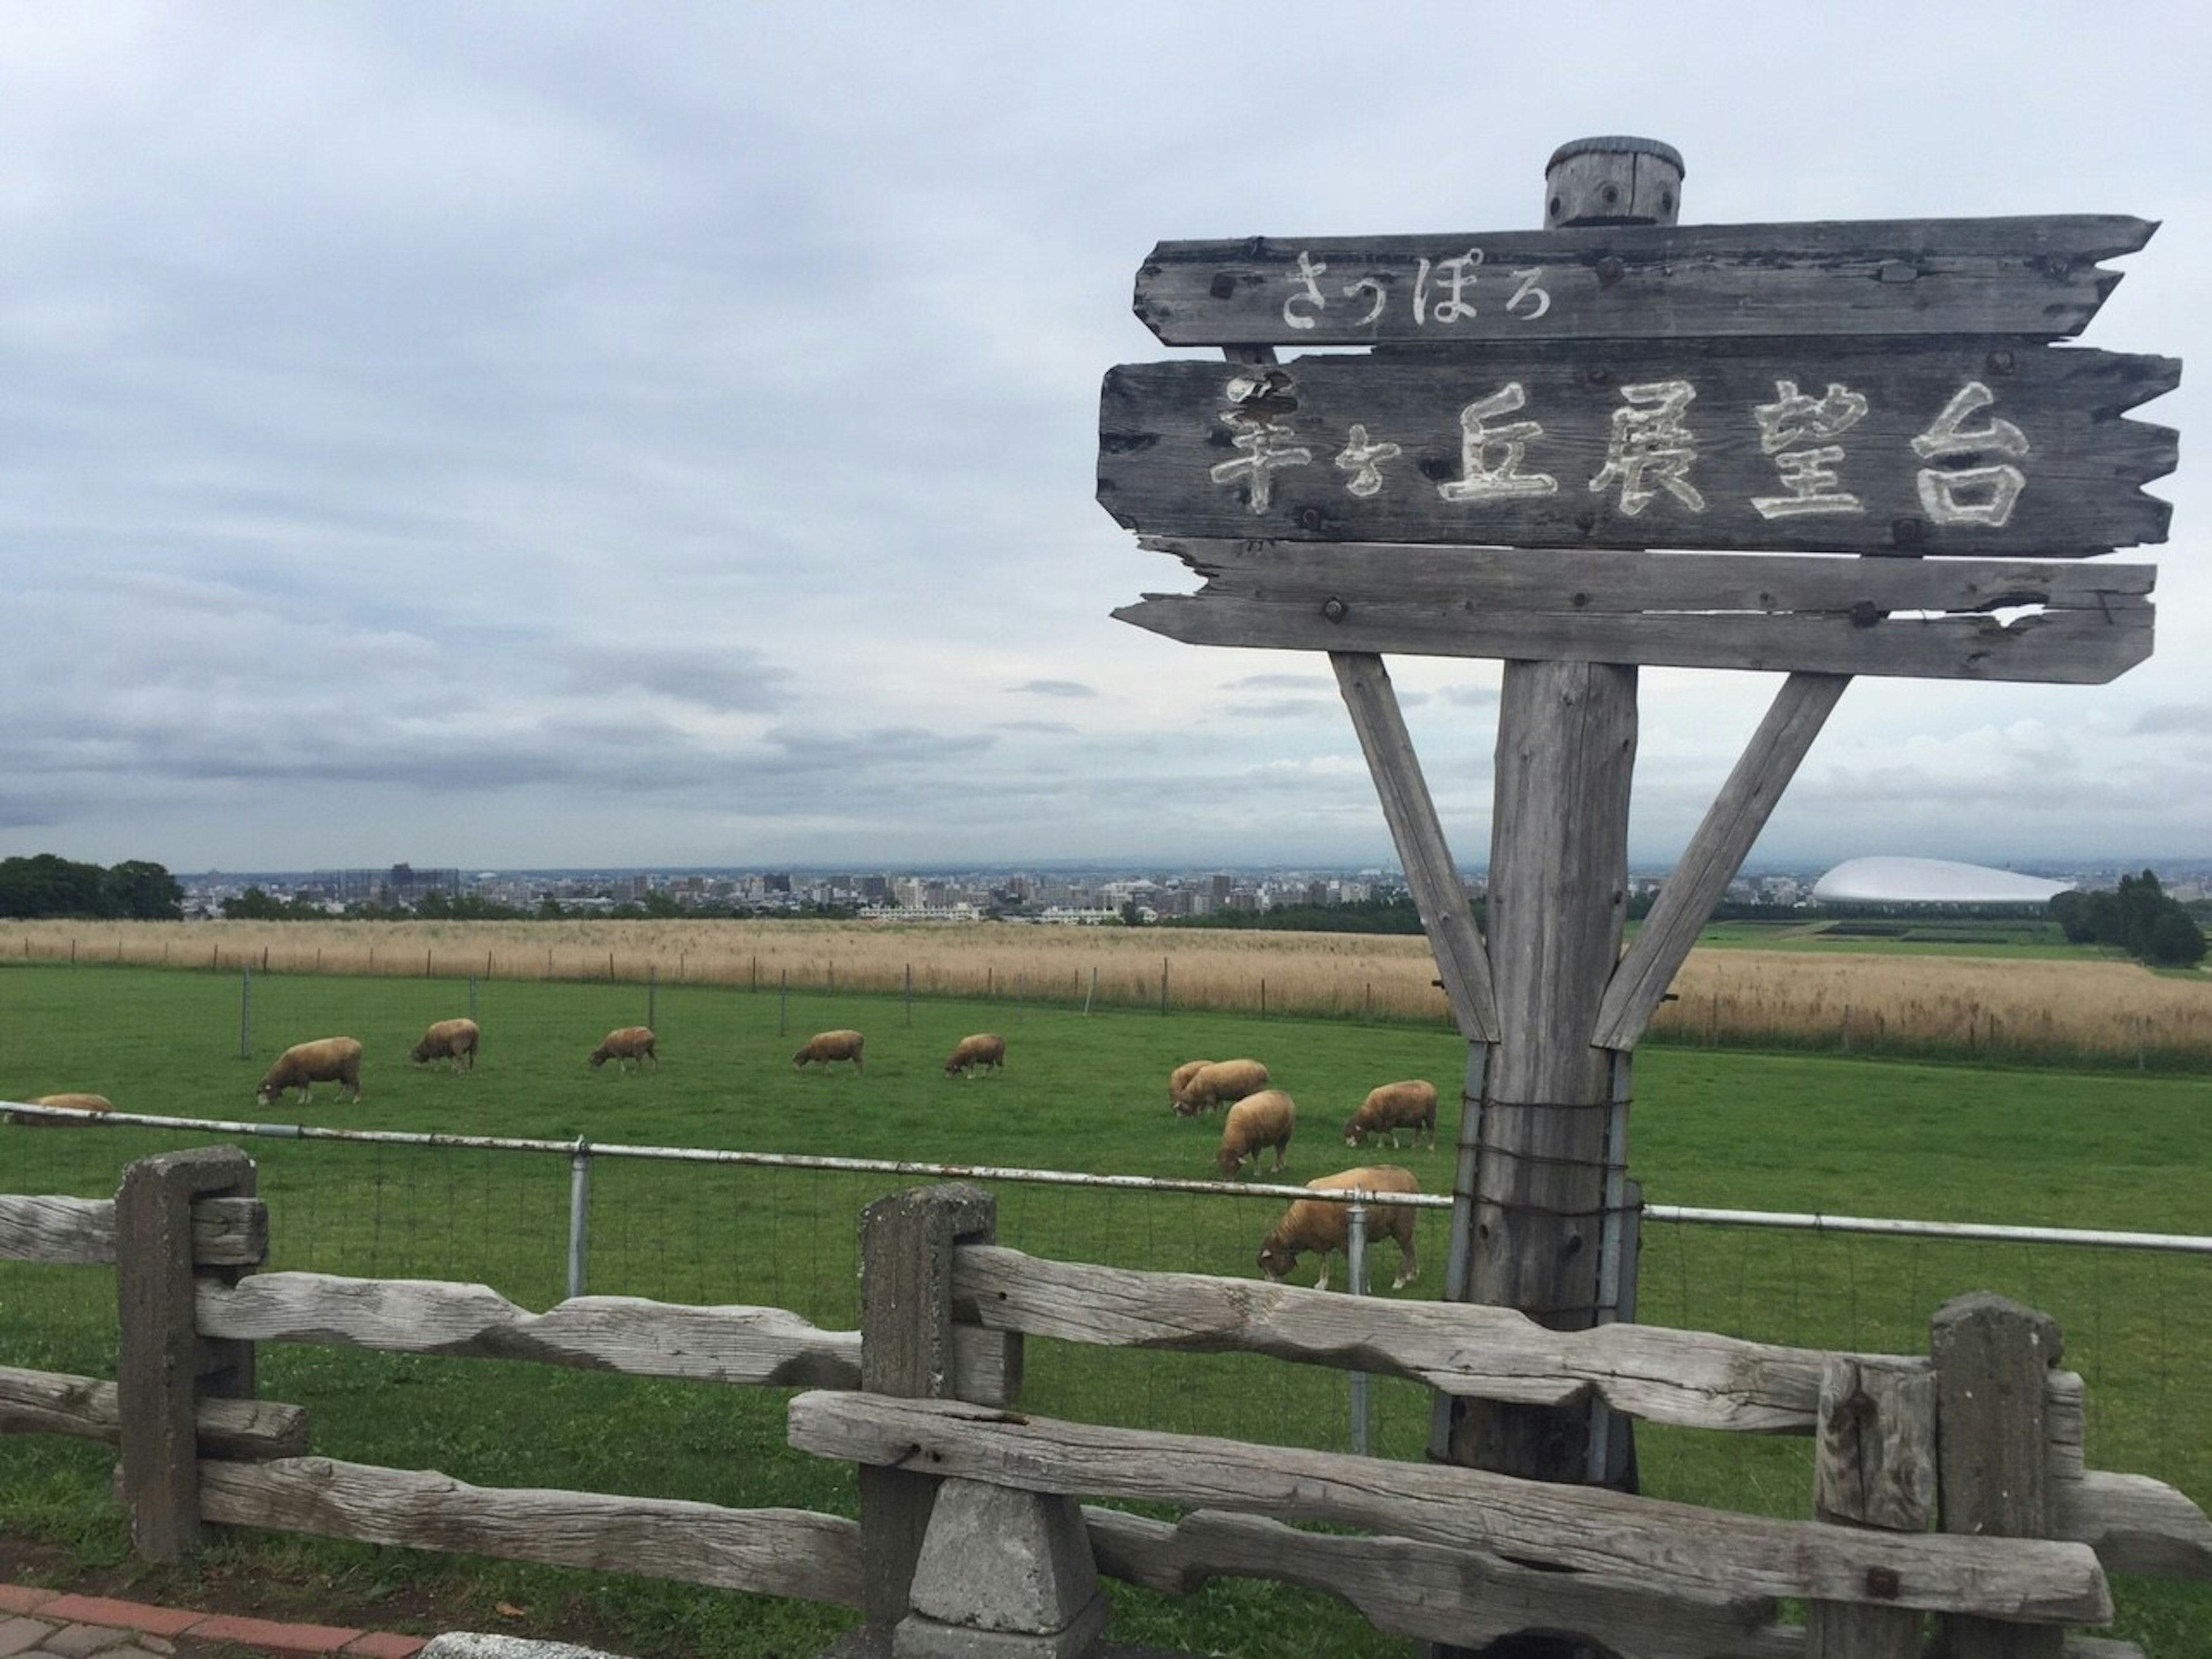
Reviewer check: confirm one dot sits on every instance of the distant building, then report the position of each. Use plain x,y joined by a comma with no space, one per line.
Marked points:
1930,881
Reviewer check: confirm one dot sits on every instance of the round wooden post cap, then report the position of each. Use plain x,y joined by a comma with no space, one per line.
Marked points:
1612,180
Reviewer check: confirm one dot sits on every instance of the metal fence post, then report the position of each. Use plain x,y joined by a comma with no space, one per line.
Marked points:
246,1013
580,1205
1355,1253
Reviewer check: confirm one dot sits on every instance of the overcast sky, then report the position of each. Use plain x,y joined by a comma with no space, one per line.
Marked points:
535,434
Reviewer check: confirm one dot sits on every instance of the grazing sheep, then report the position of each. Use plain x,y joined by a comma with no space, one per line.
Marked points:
984,1048
633,1043
1411,1104
826,1046
327,1060
1179,1079
1220,1083
85,1109
452,1040
1256,1121
1320,1225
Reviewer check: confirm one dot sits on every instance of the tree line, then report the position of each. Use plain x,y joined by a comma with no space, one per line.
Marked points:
44,886
2138,916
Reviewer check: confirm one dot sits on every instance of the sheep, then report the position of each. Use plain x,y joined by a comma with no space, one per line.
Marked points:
984,1048
1179,1079
84,1110
633,1043
826,1046
1411,1104
1220,1083
327,1060
1320,1225
1256,1121
454,1041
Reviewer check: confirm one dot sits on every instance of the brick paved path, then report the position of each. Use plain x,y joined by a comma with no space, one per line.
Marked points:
41,1624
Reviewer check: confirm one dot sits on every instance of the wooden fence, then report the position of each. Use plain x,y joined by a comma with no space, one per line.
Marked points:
1950,1498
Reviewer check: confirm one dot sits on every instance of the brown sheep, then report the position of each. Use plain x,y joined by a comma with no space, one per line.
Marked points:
326,1061
1320,1225
84,1110
1179,1079
1254,1122
984,1048
1411,1104
633,1043
1216,1085
454,1041
826,1046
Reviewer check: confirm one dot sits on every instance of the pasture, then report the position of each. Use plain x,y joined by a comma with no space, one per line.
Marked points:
1711,1127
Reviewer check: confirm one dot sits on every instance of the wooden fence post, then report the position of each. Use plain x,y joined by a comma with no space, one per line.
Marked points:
908,1349
1992,1361
163,1365
1874,1465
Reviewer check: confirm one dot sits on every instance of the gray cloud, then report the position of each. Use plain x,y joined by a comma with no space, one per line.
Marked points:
508,423
1057,689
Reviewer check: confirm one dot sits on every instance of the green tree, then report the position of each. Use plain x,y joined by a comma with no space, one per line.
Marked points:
45,884
2174,941
142,892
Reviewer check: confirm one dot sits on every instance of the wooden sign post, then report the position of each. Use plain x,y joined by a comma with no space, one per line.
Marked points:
1874,414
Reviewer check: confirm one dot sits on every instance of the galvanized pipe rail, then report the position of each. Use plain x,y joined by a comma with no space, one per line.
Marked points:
1812,1221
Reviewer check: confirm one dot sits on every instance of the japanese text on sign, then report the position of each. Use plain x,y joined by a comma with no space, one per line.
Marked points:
1968,474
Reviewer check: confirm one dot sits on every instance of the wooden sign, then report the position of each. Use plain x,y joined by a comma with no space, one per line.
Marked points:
2073,621
1948,447
2033,278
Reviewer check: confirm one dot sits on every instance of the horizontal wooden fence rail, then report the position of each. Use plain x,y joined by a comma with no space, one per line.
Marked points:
770,1552
227,1232
1589,1530
925,1399
1692,1379
86,1408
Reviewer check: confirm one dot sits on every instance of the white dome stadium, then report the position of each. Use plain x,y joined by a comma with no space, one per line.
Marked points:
1930,881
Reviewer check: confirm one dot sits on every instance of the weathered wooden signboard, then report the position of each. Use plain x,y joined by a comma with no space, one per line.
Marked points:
2033,277
1614,442
1801,445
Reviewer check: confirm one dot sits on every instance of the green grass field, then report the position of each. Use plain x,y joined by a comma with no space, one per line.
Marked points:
1725,1130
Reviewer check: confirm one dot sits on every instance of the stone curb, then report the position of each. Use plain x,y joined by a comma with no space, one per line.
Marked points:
62,1613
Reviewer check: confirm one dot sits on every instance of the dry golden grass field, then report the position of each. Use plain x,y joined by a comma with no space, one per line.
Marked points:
2023,1006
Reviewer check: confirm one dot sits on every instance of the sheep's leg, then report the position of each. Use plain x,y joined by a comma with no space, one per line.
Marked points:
1408,1268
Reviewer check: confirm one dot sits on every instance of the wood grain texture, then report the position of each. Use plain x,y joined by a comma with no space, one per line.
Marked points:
1874,1466
1600,583
1180,445
2061,647
2068,621
1993,1359
910,1347
629,1334
164,1366
1692,1379
227,1232
2032,278
774,1551
1578,1529
1430,1593
86,1408
2135,1524
1447,917
1716,853
77,1231
1556,902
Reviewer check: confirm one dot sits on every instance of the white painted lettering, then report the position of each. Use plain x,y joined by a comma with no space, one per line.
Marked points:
1479,481
1650,449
